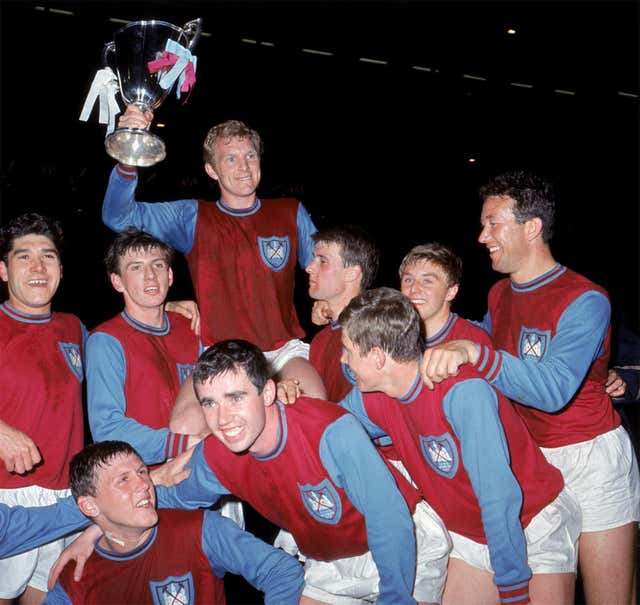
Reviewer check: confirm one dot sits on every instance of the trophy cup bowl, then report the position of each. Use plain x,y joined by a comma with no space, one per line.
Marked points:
133,47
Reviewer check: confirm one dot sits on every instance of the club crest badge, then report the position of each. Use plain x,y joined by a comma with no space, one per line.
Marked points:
184,371
173,590
441,454
533,343
274,251
73,357
322,502
348,374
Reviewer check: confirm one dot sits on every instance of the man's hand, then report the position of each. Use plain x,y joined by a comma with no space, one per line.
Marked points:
79,551
173,471
321,313
288,391
134,117
189,309
17,450
615,386
445,360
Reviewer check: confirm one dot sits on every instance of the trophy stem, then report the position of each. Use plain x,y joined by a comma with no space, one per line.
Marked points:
135,147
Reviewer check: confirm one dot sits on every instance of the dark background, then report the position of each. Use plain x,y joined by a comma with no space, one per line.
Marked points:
385,146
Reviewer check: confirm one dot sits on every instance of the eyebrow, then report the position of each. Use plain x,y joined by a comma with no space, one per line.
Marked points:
37,251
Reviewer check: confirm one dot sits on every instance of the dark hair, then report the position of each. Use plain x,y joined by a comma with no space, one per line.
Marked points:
84,465
356,246
29,224
134,240
231,356
229,130
383,318
439,255
532,196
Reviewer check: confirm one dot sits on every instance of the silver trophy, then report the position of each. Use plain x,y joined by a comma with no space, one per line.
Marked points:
148,57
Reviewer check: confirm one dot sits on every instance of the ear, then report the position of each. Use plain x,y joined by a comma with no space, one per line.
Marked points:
269,393
170,274
452,292
379,357
116,282
533,228
208,168
4,275
88,506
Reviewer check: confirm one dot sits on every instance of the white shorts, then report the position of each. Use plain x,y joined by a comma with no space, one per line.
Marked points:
32,567
355,580
603,475
231,508
552,539
288,351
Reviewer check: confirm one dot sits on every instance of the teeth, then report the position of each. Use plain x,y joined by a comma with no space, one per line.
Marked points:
143,503
37,282
493,249
418,301
232,432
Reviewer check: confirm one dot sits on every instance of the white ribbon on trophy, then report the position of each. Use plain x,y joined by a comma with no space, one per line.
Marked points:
103,88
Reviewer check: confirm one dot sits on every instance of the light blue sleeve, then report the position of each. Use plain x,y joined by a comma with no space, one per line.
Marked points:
485,324
172,222
354,403
551,383
306,229
57,596
22,528
106,402
471,406
200,489
230,549
353,464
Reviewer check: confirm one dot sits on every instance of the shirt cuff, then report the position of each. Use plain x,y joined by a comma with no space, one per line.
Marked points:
489,363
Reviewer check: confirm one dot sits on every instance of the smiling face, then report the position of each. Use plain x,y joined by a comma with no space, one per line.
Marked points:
125,500
236,167
32,273
239,416
426,284
504,237
144,279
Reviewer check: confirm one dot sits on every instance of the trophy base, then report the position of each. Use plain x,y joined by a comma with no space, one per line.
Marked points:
135,147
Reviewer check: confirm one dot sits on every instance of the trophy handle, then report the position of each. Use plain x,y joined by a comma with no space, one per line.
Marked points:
109,48
192,30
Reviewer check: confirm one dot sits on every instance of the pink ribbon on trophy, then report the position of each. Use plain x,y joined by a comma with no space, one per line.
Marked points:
175,63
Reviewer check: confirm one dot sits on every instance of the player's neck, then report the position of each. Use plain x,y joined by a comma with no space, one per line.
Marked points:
337,304
435,323
402,377
238,202
538,262
150,316
124,541
268,439
28,309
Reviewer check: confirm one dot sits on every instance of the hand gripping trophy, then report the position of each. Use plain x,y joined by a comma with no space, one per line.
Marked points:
142,63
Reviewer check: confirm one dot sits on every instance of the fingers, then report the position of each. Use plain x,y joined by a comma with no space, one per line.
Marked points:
134,117
77,572
54,572
288,391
